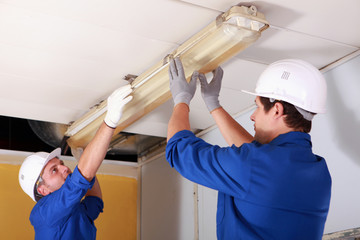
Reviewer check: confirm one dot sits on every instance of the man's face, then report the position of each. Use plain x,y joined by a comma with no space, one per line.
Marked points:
55,174
262,123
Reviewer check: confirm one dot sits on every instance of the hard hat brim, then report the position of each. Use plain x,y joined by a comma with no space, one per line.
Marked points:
55,153
267,95
252,93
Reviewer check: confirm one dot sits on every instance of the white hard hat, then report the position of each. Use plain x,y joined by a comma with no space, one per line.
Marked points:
31,168
294,81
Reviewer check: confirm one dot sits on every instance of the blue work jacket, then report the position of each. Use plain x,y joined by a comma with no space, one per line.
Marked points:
279,190
62,214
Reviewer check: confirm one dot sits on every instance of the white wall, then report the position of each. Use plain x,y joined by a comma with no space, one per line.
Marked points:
335,136
167,203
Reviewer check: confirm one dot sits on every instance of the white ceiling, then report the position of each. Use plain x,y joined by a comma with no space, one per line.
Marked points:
59,58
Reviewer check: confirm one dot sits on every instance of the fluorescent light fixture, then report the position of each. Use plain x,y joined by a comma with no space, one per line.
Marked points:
222,39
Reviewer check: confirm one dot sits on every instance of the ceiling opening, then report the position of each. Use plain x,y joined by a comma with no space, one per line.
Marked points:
20,134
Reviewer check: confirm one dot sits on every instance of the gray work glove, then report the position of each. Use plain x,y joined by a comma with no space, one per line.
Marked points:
210,91
115,103
181,90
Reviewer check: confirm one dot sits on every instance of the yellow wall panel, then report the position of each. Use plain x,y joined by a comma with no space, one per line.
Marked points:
119,219
15,206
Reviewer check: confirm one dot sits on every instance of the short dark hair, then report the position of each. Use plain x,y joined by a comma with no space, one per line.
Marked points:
293,118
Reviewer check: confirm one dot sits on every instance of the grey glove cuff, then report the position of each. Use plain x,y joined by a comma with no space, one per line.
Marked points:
183,97
212,103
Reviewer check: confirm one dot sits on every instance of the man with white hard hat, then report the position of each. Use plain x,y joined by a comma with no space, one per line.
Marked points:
270,185
61,211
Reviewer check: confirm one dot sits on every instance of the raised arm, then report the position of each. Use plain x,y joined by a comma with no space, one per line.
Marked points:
95,190
179,120
231,130
96,150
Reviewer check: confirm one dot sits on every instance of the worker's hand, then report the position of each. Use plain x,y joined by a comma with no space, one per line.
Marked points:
210,91
115,103
181,90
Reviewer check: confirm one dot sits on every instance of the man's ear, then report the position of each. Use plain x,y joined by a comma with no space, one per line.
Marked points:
278,110
43,190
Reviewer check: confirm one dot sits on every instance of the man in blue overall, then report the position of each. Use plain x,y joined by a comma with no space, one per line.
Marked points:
61,211
271,185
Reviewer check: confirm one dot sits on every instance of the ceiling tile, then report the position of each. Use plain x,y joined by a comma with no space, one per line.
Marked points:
325,19
161,20
276,44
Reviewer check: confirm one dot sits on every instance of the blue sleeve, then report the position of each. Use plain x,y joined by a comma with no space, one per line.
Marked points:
93,206
58,205
225,169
